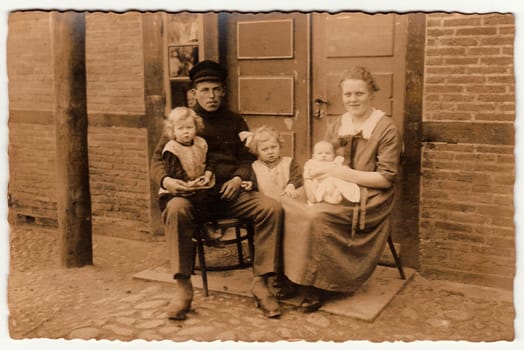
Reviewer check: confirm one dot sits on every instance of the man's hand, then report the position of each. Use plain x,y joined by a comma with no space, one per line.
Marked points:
230,188
177,187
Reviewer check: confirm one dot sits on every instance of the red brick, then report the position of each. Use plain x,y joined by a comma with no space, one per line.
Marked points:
435,80
447,51
475,107
497,98
444,88
507,107
486,89
496,41
461,60
507,31
446,70
433,22
458,42
434,61
467,79
495,116
452,116
487,70
455,236
499,19
483,51
501,79
439,32
495,149
498,61
464,21
457,98
506,158
477,31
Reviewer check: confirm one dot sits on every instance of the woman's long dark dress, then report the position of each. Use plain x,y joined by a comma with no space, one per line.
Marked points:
320,247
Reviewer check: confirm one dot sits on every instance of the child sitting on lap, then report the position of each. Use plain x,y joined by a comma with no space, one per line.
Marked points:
185,160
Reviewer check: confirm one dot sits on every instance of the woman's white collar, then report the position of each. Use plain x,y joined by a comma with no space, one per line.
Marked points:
347,128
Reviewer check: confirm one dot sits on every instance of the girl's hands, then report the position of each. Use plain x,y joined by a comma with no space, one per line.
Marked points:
177,187
290,191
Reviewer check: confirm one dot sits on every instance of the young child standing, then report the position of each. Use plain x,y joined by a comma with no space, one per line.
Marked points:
329,190
274,175
185,155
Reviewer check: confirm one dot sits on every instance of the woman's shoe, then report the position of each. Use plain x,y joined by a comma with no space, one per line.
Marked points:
287,291
264,299
311,302
180,305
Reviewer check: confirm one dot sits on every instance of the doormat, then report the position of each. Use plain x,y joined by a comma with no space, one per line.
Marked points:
365,304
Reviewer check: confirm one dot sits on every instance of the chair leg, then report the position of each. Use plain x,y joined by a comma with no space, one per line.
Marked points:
239,246
202,260
250,237
398,262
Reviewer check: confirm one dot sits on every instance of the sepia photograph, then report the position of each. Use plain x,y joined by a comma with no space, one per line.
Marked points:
266,176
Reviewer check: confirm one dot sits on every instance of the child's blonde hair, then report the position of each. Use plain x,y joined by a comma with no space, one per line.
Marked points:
180,114
262,134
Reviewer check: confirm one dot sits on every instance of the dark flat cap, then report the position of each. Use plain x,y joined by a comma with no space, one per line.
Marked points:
207,71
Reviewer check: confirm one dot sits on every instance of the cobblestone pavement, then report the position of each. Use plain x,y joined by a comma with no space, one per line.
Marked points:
104,302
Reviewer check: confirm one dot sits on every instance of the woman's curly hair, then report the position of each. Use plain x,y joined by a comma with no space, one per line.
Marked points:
359,73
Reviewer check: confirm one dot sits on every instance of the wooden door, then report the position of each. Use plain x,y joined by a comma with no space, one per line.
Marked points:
377,42
279,64
267,56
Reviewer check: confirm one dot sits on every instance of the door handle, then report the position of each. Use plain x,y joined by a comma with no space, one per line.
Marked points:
318,112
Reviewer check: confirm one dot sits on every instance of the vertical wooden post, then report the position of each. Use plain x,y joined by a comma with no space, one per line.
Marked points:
70,113
154,99
410,176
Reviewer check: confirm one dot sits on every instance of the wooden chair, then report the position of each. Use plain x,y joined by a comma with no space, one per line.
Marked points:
396,257
223,224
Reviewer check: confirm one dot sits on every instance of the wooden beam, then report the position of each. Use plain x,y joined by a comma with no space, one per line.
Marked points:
154,88
70,114
409,200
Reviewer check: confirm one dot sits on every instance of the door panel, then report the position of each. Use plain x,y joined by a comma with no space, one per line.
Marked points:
342,40
268,80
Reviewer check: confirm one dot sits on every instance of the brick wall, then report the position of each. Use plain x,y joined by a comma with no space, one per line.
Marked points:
29,67
115,66
117,142
118,161
466,226
119,183
31,139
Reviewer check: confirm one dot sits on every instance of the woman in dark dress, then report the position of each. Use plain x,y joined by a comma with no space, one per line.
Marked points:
337,247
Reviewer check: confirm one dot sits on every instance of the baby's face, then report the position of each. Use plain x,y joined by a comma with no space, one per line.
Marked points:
324,152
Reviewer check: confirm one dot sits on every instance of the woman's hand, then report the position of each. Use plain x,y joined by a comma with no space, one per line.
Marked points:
329,170
177,187
290,191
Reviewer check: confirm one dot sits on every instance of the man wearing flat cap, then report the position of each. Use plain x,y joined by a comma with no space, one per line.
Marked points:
232,164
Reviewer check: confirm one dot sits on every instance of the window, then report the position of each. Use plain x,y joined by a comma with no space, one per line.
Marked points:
183,49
